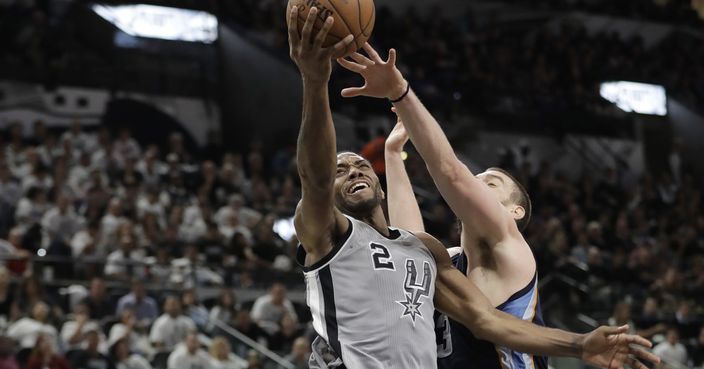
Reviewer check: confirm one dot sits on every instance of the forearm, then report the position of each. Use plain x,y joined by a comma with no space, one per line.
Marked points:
523,336
403,208
427,136
316,139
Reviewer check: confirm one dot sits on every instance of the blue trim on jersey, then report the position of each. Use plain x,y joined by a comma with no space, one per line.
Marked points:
468,352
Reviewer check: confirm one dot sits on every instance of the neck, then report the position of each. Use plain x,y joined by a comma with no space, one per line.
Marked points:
377,220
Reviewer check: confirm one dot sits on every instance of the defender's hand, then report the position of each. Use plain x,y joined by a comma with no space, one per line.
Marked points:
307,51
381,78
613,348
397,138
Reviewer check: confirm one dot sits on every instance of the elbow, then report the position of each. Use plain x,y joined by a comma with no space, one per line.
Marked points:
482,324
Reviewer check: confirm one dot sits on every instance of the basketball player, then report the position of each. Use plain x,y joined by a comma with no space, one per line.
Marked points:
372,289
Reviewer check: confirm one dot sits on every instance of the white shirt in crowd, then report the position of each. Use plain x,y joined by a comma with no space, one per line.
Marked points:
70,327
118,263
171,331
269,315
134,362
59,225
672,354
182,359
26,330
228,364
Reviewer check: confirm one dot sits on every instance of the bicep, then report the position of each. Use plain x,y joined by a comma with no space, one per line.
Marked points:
459,298
316,219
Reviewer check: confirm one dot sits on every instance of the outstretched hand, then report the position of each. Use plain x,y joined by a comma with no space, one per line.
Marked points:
613,348
381,78
306,49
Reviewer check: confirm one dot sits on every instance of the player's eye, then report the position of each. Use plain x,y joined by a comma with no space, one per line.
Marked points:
340,171
492,184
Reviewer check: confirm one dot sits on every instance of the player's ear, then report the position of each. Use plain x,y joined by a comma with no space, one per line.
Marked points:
518,212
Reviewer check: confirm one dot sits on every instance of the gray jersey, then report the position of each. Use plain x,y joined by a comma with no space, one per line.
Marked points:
372,299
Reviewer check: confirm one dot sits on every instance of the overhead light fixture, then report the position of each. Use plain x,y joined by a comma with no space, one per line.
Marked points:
152,21
635,97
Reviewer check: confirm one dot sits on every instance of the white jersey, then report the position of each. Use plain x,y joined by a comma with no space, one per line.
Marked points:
372,299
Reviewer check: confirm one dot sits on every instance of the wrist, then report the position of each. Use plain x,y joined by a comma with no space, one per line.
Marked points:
315,82
399,89
578,345
393,150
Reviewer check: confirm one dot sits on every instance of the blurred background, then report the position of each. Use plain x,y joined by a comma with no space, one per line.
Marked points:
148,176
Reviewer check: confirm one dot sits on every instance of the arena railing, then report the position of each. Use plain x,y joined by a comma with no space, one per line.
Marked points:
272,360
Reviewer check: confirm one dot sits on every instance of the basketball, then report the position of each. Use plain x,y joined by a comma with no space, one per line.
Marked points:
355,17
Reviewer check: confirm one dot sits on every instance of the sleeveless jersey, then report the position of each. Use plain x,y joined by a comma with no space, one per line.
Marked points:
458,348
371,299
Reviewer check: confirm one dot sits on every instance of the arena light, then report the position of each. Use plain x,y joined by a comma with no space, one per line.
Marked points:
634,97
161,22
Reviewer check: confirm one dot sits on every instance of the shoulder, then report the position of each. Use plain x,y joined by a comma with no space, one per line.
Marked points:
436,248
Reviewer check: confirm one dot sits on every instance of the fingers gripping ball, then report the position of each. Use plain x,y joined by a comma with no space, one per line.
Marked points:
355,17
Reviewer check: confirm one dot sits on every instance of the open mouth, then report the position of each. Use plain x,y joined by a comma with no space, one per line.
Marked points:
356,187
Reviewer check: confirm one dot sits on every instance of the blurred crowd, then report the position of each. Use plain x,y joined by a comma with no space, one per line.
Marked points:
97,206
464,63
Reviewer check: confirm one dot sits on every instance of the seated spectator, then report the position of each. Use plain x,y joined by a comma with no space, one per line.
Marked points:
97,300
300,353
7,354
193,309
128,261
220,355
189,355
31,208
122,359
74,333
8,302
17,254
112,221
171,328
129,329
268,310
671,351
281,340
143,306
86,241
697,350
61,222
223,310
243,323
27,330
191,271
44,355
90,357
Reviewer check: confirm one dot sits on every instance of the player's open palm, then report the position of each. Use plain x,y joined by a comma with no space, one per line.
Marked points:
613,348
381,77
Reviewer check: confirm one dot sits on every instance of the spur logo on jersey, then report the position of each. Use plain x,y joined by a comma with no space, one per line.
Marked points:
415,289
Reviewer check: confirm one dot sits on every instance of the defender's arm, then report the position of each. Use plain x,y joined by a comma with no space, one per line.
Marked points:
404,212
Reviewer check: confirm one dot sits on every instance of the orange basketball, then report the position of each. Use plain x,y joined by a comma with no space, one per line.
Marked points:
355,17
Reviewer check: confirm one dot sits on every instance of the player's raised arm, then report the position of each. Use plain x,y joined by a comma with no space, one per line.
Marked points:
316,220
468,196
404,212
606,347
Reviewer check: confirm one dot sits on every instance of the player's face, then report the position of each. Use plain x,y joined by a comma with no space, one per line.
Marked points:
500,185
357,188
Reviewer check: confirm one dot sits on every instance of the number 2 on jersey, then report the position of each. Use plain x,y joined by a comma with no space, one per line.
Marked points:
381,257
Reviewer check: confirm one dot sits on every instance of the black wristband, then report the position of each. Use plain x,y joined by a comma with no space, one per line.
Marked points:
408,89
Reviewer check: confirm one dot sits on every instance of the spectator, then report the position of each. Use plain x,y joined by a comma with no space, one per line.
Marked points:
122,359
86,241
171,327
90,357
27,331
243,323
189,355
128,261
224,309
281,340
74,333
7,354
44,355
220,355
144,307
97,300
300,353
697,350
61,222
193,309
8,303
671,351
269,309
18,256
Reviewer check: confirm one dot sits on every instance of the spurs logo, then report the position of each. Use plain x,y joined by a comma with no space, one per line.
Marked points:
415,290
